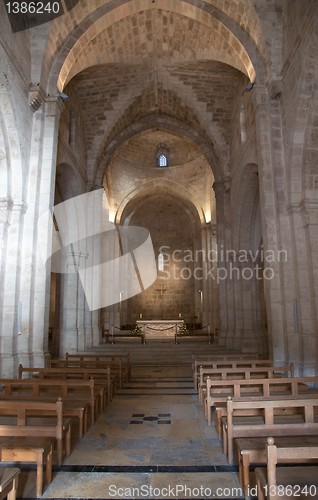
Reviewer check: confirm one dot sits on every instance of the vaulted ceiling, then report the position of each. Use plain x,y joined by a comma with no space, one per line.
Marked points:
148,67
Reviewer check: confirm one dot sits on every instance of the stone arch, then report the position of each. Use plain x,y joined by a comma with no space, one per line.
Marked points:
172,189
168,123
174,104
252,51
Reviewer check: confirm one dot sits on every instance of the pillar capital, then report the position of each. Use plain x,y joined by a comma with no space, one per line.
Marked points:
36,96
221,187
6,205
54,105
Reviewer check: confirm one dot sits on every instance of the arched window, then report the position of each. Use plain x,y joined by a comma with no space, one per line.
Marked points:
162,156
163,160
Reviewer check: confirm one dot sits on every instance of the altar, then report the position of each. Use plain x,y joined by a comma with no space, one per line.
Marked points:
160,329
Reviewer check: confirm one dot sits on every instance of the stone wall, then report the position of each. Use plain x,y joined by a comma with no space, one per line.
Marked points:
173,232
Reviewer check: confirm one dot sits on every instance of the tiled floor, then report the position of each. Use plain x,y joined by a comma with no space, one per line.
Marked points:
152,437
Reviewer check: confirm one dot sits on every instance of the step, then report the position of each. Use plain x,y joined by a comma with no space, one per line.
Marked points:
160,353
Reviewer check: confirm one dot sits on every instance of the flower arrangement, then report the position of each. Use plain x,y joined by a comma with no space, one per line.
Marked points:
137,330
182,328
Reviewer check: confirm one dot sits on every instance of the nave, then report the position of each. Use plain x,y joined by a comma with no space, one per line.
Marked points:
152,435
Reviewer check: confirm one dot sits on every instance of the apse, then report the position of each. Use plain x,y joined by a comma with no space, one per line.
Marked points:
174,229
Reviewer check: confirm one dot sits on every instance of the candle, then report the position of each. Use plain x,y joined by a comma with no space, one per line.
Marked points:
140,315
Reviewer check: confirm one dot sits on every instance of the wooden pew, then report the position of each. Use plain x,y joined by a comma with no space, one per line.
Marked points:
102,376
124,358
221,410
281,483
241,373
77,395
22,425
224,356
28,450
199,359
287,417
253,451
219,390
223,363
117,375
9,482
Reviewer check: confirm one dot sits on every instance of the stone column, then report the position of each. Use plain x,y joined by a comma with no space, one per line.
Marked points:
270,221
305,307
210,292
11,219
84,336
37,238
75,319
225,285
110,315
249,332
310,339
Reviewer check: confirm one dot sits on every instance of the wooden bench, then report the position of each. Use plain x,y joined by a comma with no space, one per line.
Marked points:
20,424
282,483
77,395
221,410
253,451
287,417
9,482
109,336
101,377
222,357
118,375
219,390
214,364
241,373
124,358
37,450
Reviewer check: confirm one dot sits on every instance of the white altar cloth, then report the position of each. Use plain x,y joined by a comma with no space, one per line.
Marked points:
156,329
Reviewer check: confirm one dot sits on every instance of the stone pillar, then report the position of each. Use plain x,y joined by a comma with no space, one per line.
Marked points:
73,327
225,285
210,291
111,250
94,339
310,340
249,332
37,238
270,222
11,221
96,328
305,307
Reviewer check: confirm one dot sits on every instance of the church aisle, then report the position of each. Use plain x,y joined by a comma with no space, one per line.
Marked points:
152,436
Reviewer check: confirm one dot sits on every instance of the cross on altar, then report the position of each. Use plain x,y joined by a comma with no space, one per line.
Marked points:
162,290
